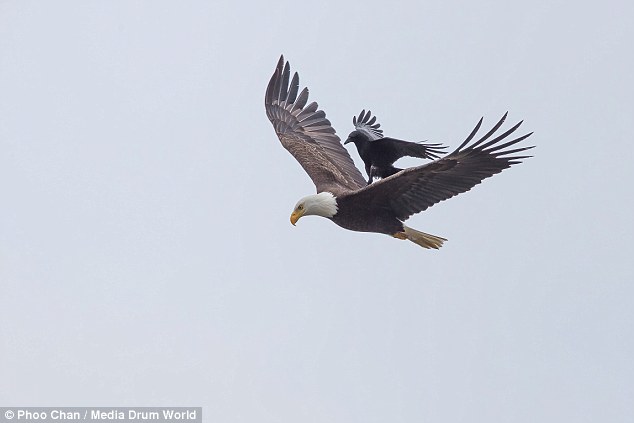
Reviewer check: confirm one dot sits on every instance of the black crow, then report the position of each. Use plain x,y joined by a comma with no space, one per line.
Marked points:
379,153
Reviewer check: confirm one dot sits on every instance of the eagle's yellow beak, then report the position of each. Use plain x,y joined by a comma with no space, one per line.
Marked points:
296,215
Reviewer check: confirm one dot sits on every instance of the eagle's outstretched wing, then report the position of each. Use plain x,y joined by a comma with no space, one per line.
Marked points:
416,189
306,133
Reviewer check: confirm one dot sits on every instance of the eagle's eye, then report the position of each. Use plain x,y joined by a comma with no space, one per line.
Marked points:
300,207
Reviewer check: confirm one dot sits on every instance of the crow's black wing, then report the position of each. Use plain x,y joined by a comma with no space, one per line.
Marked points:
388,150
366,124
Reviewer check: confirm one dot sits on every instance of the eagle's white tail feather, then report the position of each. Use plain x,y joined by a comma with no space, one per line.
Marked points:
423,239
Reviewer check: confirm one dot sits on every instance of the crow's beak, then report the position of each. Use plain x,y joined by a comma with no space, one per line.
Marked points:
347,141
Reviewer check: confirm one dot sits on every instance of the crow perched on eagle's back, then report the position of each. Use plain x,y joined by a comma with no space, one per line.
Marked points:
379,153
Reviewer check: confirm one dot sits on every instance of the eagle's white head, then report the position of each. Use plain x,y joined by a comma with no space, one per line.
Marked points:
323,204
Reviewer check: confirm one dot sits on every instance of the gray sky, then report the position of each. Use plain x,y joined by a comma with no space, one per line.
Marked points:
146,254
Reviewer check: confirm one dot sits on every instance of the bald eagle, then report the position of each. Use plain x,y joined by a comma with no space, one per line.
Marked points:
379,153
342,193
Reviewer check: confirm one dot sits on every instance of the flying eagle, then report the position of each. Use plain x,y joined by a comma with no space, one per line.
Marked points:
379,153
342,193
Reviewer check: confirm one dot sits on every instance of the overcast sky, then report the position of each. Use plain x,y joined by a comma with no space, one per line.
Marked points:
146,253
